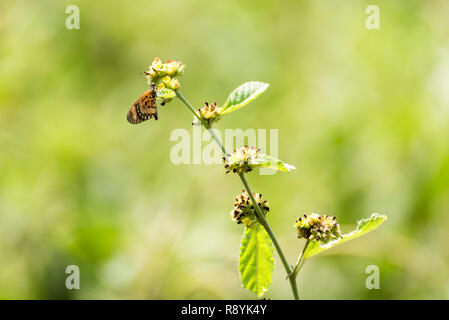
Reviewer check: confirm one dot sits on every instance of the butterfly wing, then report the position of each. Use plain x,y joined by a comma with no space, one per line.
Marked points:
143,108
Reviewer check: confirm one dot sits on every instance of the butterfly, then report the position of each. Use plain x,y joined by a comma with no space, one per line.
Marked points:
144,107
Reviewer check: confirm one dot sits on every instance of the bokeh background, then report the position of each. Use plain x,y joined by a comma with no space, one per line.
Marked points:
363,115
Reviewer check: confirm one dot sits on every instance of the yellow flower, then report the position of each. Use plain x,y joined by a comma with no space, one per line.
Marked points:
209,113
241,160
165,72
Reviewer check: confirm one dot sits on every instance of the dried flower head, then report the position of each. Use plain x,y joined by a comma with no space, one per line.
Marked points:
322,228
241,160
244,210
209,113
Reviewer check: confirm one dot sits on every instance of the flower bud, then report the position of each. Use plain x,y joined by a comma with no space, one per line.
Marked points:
241,160
315,227
244,210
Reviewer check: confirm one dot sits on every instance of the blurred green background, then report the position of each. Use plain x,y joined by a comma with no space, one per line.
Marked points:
363,115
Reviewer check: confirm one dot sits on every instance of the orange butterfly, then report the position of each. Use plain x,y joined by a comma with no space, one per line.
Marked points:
143,108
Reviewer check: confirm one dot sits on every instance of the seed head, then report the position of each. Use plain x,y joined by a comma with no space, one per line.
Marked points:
244,210
322,228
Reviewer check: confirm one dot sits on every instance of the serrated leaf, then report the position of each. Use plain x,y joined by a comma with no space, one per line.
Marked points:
166,93
363,226
266,161
256,262
243,95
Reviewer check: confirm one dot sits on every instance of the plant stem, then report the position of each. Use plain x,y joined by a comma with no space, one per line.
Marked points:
300,261
265,224
260,215
189,106
205,125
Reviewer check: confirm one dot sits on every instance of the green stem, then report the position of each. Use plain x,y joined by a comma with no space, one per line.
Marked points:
260,215
189,106
204,123
299,264
300,261
265,224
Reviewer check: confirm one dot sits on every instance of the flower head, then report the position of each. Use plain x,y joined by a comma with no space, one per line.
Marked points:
241,160
209,113
171,83
244,210
322,228
174,68
164,75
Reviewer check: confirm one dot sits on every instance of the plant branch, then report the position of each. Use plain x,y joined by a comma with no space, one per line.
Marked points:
189,106
265,224
260,215
204,123
300,261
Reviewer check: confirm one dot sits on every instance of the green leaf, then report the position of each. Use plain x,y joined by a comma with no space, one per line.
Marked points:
363,226
256,262
243,95
266,161
166,93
